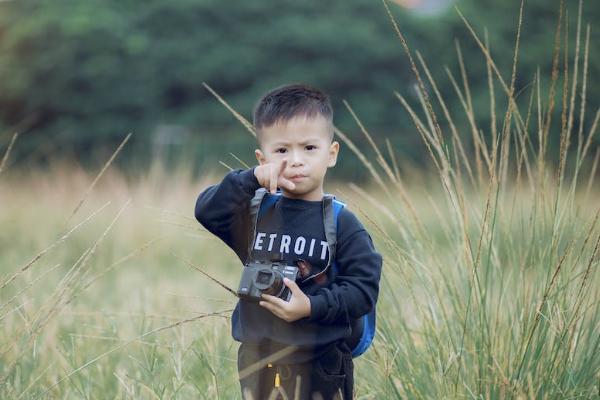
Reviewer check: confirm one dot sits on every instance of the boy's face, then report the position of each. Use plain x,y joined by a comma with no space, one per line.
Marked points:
305,143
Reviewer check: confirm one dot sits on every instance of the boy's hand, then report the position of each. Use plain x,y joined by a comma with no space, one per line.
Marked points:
298,306
270,176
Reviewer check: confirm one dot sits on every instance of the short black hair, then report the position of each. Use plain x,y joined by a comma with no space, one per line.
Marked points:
288,101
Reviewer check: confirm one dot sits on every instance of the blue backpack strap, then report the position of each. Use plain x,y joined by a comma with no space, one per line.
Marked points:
363,329
368,322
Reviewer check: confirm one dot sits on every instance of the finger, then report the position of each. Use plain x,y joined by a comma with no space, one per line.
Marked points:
273,180
286,183
282,166
274,300
281,181
292,285
270,307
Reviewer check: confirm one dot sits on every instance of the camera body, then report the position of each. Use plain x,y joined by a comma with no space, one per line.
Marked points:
260,277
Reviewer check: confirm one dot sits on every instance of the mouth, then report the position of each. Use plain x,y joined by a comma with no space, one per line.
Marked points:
298,177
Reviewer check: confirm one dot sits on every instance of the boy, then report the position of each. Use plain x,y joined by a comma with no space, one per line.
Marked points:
298,346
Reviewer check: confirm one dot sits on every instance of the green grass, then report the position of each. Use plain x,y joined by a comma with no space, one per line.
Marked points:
448,327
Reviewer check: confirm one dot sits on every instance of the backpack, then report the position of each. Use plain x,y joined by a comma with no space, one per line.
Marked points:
363,328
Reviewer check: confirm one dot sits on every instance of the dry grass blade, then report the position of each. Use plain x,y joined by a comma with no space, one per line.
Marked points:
240,161
413,66
393,158
137,338
575,75
586,275
492,186
512,106
592,173
237,115
170,212
525,141
480,146
114,265
493,66
555,70
7,152
43,373
224,286
30,284
493,127
593,129
59,240
564,133
477,140
380,159
226,166
91,187
57,302
70,281
362,158
583,88
278,355
427,137
446,112
541,305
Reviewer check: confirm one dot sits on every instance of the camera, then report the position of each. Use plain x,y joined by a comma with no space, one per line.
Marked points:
260,277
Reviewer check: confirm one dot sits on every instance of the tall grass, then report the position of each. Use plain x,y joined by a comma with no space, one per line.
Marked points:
506,304
490,283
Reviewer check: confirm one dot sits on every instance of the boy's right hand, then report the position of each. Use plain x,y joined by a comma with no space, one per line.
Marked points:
270,176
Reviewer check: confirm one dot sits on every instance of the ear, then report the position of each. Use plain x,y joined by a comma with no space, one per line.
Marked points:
260,157
334,149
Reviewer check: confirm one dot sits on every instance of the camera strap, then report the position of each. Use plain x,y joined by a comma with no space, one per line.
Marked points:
329,222
255,204
330,233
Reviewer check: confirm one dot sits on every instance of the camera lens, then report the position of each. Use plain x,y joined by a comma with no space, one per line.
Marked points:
263,278
269,281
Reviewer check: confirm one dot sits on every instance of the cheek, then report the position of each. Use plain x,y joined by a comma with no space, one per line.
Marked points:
270,157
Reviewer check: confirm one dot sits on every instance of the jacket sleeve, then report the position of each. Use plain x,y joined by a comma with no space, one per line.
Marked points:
355,289
223,209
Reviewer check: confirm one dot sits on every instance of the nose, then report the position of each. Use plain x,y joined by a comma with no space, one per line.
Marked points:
296,158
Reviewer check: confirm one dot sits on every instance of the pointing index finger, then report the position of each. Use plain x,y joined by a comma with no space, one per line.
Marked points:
282,166
273,179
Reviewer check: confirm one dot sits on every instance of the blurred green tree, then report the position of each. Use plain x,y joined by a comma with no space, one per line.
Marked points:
79,75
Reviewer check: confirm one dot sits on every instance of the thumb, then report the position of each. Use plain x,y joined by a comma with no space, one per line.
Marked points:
292,285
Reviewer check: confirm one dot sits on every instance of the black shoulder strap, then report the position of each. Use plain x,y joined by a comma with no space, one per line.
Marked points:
255,203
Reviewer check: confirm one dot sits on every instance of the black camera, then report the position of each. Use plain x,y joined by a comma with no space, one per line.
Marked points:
261,277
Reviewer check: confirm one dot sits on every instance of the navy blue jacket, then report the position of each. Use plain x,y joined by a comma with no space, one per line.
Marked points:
294,229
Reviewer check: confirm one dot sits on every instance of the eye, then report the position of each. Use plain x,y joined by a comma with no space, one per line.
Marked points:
310,147
280,150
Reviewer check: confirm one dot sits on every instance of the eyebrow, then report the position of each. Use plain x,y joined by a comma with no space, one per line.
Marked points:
301,143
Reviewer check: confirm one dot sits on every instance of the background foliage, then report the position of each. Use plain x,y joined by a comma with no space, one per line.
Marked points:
77,76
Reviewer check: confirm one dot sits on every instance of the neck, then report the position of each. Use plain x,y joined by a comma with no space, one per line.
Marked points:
314,195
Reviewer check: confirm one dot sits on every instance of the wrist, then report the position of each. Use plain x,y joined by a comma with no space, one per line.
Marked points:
249,180
307,308
317,307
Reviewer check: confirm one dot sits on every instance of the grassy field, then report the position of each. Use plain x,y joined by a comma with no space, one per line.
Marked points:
490,280
510,310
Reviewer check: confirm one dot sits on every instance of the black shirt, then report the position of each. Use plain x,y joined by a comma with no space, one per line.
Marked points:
294,229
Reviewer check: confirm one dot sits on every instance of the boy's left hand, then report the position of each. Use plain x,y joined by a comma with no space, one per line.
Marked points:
298,306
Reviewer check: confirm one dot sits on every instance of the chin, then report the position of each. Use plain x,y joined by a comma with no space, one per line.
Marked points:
294,193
